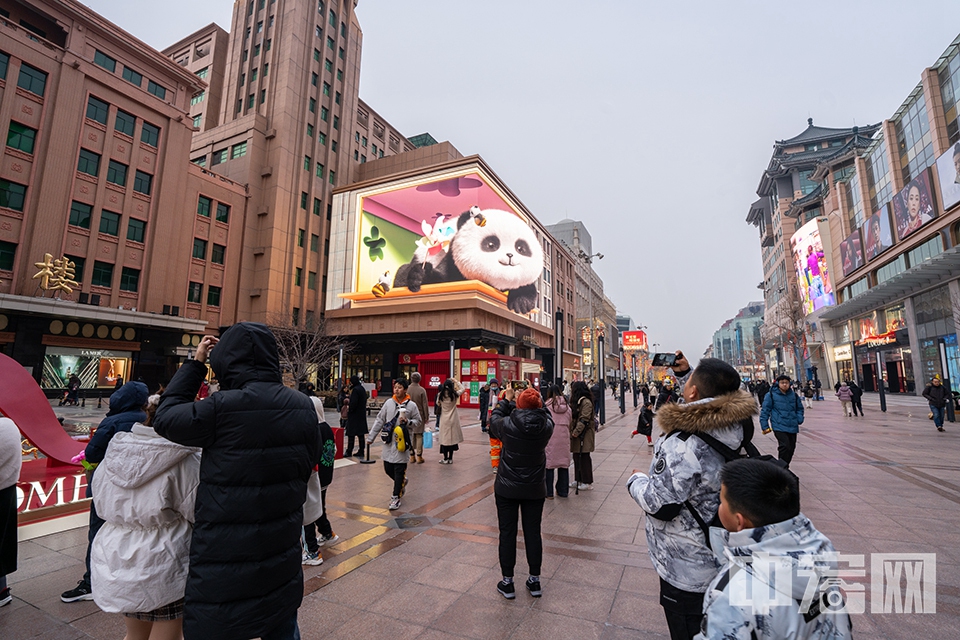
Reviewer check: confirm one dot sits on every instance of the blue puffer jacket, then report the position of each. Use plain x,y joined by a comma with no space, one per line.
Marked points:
782,411
126,409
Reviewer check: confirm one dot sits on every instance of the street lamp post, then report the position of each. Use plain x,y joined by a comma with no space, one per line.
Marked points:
623,377
587,260
602,383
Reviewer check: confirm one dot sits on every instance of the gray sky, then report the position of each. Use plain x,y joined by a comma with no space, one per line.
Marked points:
649,121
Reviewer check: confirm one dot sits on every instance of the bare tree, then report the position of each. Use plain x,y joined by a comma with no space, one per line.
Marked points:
789,320
305,350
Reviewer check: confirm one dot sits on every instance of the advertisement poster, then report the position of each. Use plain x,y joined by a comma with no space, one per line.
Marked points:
450,235
110,370
482,368
913,206
634,341
851,255
877,235
948,172
95,368
813,276
474,392
491,369
464,368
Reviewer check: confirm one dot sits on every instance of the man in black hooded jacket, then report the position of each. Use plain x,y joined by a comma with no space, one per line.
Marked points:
260,441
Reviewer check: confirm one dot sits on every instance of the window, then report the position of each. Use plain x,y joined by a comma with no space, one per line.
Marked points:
142,183
266,47
213,296
333,19
356,136
887,271
133,77
195,292
200,162
197,120
238,150
363,141
330,42
319,170
105,61
256,50
336,122
326,247
97,110
314,242
129,279
117,173
333,176
243,79
307,163
356,154
125,123
326,87
32,80
316,206
78,264
199,249
223,212
218,157
266,69
5,62
374,147
102,274
110,223
340,75
253,75
322,138
300,235
328,64
80,214
12,195
324,113
246,54
250,99
155,89
197,99
202,73
309,130
136,230
342,54
8,251
296,316
343,29
949,74
336,98
312,280
303,200
317,31
150,134
21,137
316,55
298,277
313,105
924,252
263,95
914,139
217,254
313,78
203,206
363,159
260,26
271,21
333,146
89,163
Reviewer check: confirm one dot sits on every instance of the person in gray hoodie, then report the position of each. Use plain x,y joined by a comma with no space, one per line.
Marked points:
772,552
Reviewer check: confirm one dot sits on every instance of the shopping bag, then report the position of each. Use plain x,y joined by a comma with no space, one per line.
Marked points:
428,440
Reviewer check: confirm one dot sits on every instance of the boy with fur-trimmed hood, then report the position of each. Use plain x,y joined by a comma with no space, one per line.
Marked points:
684,484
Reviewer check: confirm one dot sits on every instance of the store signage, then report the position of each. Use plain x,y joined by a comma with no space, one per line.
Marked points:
843,352
56,275
890,337
529,341
634,341
51,492
434,382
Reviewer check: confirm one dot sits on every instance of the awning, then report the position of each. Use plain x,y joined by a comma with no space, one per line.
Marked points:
932,272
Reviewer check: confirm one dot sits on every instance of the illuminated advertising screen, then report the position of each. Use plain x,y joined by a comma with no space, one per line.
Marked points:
851,253
948,171
634,341
450,235
813,277
913,206
877,236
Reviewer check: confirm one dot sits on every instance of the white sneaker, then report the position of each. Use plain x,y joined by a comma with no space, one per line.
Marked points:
312,559
650,444
328,541
573,485
394,503
586,487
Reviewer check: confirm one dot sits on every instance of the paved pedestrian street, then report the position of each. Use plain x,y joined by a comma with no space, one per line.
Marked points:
887,483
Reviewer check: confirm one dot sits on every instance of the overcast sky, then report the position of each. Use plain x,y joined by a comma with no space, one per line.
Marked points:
651,122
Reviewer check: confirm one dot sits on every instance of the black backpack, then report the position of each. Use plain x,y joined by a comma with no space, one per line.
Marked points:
746,450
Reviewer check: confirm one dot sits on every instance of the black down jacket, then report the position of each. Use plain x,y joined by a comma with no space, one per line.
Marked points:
524,434
260,441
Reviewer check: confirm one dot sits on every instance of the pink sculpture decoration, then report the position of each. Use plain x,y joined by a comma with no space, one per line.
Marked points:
22,401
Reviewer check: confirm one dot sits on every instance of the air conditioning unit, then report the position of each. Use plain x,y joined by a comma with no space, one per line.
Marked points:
175,311
84,298
95,299
166,310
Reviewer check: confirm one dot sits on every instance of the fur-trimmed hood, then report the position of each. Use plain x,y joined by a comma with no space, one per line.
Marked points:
707,415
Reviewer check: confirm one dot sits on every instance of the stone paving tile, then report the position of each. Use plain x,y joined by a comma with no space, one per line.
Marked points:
888,483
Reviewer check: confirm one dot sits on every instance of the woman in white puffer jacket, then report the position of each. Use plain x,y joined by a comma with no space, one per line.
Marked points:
145,490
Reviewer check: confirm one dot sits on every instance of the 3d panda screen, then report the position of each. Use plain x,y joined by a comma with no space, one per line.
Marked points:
440,236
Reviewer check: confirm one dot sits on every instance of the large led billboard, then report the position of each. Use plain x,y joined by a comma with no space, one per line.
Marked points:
449,235
851,253
913,206
877,235
813,276
948,171
634,341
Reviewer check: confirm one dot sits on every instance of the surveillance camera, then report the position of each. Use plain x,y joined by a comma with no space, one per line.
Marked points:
600,255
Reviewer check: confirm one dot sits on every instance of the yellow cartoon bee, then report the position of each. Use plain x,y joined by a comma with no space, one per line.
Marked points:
383,285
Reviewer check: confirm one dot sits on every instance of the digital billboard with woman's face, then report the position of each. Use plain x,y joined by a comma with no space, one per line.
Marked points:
877,236
851,254
948,170
913,206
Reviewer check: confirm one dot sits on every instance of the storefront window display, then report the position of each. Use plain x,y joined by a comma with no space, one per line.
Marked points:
96,368
884,330
935,323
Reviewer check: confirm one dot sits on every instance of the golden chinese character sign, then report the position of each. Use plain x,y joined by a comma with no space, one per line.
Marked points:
56,275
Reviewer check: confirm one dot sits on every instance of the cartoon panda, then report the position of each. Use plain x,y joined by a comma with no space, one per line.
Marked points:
493,246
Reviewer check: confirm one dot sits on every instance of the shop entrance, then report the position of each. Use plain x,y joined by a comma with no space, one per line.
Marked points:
869,379
896,382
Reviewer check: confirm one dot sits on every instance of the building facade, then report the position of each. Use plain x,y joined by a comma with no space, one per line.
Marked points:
739,343
99,230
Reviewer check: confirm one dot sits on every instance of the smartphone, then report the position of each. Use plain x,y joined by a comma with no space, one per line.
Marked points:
664,359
